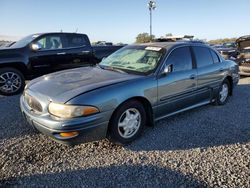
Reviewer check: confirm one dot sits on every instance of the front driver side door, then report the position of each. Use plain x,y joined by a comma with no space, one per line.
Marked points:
176,89
51,54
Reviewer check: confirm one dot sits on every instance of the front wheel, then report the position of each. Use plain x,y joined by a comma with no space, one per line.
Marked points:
223,94
127,122
11,81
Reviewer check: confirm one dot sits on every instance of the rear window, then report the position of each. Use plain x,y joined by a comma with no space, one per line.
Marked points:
203,56
76,41
215,57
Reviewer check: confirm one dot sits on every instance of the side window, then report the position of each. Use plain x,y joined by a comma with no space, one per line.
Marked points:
203,56
215,57
76,41
181,59
50,42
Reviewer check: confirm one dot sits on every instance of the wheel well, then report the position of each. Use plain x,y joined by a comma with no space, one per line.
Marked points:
17,66
147,106
230,80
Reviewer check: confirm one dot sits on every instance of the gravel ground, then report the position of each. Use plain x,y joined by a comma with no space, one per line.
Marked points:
204,147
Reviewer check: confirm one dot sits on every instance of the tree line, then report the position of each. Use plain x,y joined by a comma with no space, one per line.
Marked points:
221,41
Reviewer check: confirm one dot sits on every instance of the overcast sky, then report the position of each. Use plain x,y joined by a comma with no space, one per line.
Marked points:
122,20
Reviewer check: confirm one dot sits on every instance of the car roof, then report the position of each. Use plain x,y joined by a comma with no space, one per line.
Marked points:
57,33
169,45
246,37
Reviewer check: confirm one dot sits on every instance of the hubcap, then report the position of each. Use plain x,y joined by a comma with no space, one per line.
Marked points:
223,92
10,82
129,123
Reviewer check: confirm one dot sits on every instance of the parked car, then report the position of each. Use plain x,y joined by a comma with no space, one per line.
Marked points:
230,45
135,86
103,43
39,54
227,50
243,59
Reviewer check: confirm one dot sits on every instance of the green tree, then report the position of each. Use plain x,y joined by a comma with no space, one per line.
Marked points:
144,38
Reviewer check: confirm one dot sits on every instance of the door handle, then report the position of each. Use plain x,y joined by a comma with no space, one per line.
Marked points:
61,53
221,69
85,52
192,77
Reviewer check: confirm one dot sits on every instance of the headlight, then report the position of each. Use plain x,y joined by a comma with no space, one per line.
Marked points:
70,111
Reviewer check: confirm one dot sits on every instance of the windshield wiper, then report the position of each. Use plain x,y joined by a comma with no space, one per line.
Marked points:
97,65
111,69
117,70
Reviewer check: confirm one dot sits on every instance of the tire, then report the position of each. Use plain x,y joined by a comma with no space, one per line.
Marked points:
223,93
127,123
12,81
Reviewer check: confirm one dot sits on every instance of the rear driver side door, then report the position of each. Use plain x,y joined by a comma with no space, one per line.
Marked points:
79,50
210,72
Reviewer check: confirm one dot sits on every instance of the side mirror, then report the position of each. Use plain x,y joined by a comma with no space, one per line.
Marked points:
168,69
35,47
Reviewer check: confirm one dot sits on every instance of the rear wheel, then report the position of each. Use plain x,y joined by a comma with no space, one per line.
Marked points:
11,81
127,122
223,94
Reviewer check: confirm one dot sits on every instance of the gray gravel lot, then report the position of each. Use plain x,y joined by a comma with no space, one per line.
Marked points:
204,147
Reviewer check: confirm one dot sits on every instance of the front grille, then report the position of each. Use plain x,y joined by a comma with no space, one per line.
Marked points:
33,103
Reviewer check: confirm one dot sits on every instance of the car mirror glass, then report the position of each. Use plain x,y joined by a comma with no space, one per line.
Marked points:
168,69
35,47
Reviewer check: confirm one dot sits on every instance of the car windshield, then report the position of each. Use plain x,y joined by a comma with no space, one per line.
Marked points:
219,46
229,45
24,41
134,59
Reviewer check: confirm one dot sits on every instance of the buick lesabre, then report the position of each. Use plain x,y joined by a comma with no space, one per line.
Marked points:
134,87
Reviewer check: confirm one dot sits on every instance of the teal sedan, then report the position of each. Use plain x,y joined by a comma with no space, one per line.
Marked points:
134,87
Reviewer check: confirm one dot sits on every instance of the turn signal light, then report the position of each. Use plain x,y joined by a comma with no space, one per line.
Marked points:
69,134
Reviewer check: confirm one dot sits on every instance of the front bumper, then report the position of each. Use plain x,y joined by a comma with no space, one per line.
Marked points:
90,128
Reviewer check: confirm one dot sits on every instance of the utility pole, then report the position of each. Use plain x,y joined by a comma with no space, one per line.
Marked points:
151,7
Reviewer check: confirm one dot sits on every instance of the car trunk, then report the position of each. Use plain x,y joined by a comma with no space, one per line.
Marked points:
243,46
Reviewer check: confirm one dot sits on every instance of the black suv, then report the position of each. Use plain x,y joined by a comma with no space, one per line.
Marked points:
39,54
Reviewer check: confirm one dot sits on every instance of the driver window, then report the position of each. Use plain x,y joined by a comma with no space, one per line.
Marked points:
50,42
180,59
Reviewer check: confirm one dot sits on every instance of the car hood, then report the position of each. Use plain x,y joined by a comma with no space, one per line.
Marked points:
65,85
243,42
10,53
8,49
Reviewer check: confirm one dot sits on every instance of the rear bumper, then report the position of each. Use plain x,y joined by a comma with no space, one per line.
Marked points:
90,128
244,71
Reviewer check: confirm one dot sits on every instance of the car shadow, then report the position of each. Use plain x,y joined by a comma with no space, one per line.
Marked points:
12,124
111,176
203,127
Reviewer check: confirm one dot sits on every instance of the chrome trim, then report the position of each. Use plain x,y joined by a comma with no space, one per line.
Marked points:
61,53
69,48
183,110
